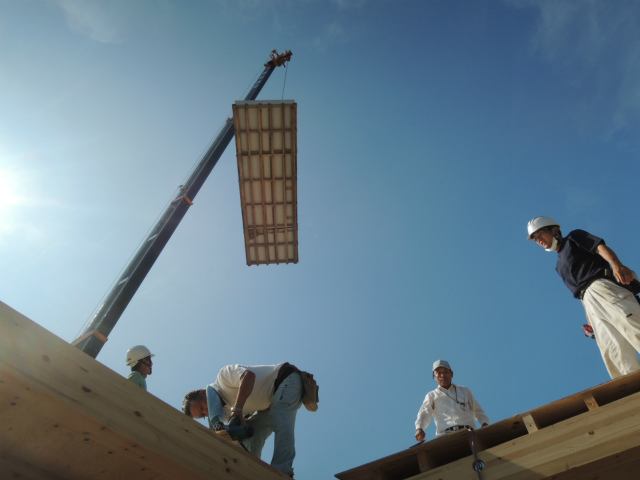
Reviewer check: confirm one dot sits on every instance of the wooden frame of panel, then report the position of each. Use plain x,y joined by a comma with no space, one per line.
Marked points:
266,149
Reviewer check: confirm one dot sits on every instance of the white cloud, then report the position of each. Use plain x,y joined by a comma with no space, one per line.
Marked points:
594,39
346,4
580,201
332,34
568,31
97,20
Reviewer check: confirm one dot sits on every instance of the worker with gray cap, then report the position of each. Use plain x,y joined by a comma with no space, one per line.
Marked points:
139,359
452,406
594,274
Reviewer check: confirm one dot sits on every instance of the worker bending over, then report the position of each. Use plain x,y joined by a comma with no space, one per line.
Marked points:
269,395
453,406
607,288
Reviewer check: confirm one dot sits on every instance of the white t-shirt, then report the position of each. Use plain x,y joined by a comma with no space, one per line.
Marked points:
228,382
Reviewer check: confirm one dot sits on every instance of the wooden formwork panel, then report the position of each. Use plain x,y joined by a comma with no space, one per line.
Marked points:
64,415
266,149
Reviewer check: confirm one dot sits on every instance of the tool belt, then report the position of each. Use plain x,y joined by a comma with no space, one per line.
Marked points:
310,397
285,370
633,287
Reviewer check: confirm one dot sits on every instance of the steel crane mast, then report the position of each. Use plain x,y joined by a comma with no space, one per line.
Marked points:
95,334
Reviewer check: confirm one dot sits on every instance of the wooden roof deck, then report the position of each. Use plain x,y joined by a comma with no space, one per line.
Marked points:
594,434
64,415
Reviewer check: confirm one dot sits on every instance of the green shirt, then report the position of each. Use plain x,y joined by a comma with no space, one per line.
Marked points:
138,379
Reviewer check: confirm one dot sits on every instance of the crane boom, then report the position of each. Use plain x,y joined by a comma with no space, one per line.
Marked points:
95,334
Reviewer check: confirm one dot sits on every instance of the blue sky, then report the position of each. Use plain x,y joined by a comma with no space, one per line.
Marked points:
429,133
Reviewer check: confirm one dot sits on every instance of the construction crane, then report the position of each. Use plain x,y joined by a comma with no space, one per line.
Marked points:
108,313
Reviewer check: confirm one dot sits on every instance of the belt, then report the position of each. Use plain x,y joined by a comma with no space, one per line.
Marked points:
633,287
456,428
608,275
584,290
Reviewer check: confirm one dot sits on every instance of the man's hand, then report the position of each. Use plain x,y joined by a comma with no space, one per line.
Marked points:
623,274
420,436
238,414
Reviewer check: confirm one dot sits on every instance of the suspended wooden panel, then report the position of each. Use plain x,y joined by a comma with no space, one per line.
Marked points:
266,148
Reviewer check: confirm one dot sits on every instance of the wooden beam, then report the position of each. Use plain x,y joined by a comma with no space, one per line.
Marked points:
380,475
65,415
600,433
590,401
420,457
425,461
11,467
529,422
621,466
448,449
476,442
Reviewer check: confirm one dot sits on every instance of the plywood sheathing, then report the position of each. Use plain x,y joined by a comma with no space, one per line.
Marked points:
597,430
64,415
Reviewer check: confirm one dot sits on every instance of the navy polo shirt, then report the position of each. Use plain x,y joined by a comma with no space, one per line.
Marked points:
578,261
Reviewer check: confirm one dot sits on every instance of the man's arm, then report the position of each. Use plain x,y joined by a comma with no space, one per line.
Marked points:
478,413
622,273
245,388
424,419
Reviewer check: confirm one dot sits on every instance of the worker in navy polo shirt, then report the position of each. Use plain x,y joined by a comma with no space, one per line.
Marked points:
607,288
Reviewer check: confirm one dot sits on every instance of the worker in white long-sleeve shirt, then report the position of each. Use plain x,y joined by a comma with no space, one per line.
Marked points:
452,406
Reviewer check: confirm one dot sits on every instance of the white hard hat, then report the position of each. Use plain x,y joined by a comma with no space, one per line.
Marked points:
137,353
538,223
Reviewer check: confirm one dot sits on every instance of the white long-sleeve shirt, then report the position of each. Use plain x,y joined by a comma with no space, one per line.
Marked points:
453,406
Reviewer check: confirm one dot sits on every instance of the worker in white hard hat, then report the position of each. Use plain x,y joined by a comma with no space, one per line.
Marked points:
452,406
594,274
139,359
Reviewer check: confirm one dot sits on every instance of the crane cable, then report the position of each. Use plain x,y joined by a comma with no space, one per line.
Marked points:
286,70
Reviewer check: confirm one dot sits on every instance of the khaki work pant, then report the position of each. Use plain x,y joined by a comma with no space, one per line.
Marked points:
614,314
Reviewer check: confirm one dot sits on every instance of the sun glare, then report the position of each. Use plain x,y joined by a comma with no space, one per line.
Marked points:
8,196
10,200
